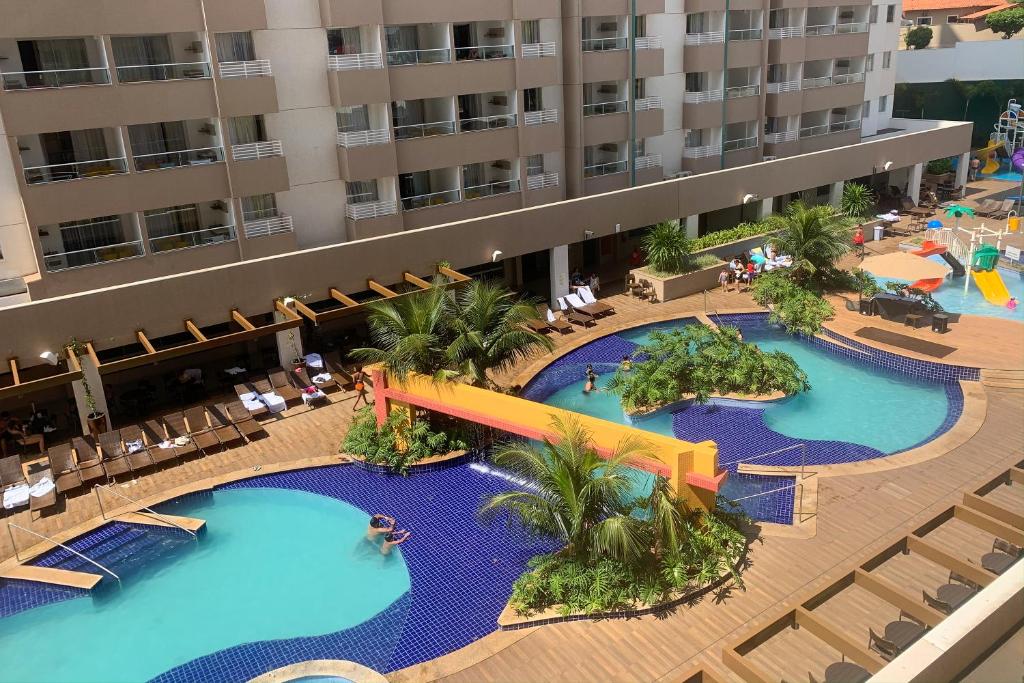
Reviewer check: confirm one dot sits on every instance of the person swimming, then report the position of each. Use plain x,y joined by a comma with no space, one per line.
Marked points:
626,365
392,539
379,524
591,380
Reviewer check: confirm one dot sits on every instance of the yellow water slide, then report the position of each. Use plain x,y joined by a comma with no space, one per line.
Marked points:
991,284
990,161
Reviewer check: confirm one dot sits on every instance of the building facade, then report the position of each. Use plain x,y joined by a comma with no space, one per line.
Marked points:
152,138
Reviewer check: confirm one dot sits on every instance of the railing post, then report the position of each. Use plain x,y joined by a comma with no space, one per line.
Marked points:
99,499
14,545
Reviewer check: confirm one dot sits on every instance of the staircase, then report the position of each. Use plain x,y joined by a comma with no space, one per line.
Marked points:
125,548
1003,379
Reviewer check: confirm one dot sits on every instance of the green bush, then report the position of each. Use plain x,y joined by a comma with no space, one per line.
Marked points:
1008,22
918,37
396,444
667,248
797,308
940,166
857,200
720,237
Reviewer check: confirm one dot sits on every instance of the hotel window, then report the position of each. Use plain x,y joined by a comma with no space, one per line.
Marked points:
890,14
952,18
867,108
886,60
924,21
869,63
235,47
694,138
535,164
883,102
873,14
361,191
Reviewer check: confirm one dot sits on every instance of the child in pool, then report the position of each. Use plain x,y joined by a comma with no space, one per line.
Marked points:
591,380
392,539
1012,303
626,365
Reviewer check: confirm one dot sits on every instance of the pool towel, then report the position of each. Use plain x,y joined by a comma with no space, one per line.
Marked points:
252,404
322,378
134,446
234,371
313,360
166,444
16,496
273,402
41,487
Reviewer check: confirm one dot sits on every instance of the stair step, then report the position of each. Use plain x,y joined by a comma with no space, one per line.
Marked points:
1003,384
87,546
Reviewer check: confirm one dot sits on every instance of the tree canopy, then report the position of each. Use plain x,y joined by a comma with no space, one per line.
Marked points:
918,37
1008,22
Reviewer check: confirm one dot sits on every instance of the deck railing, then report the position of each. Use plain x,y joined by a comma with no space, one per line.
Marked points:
251,151
75,170
194,238
540,181
605,44
363,60
363,138
364,210
534,50
536,118
140,73
484,52
703,96
705,38
422,201
177,158
265,227
54,78
601,108
440,55
250,69
487,123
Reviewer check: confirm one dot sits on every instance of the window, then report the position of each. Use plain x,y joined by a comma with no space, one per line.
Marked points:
235,47
952,19
867,108
530,31
873,14
694,137
890,14
695,81
924,21
869,63
535,164
883,102
695,22
533,100
259,207
886,60
360,191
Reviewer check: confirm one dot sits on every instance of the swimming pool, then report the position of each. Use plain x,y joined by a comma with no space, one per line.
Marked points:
283,574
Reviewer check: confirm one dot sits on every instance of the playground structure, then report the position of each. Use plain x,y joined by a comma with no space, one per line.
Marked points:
929,248
977,255
691,468
1007,137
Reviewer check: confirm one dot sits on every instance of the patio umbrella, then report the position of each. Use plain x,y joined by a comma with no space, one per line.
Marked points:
901,265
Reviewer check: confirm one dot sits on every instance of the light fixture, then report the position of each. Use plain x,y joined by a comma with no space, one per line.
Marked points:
50,357
496,255
747,198
618,227
886,166
588,234
288,301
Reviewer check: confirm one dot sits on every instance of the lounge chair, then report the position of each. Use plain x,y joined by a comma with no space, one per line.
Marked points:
987,206
579,304
327,384
154,434
247,393
539,326
563,326
1004,210
591,300
242,420
90,467
38,503
62,467
200,430
574,316
177,431
283,386
222,427
11,473
333,364
112,455
135,448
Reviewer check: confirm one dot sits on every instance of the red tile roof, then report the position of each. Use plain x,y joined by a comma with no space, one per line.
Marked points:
924,5
985,12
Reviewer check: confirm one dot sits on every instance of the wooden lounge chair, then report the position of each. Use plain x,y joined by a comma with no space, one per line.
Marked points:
138,459
1003,211
601,308
539,326
242,420
90,468
113,455
328,385
575,316
283,386
11,472
62,466
154,434
333,364
222,427
47,500
563,326
987,206
578,304
247,389
176,429
200,430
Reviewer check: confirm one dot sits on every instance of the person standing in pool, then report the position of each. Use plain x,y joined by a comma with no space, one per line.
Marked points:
392,539
591,380
379,524
626,365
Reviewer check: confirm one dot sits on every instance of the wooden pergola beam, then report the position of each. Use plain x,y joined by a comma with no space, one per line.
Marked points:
140,335
343,298
381,289
73,363
305,310
242,321
418,281
285,310
13,362
894,595
194,330
840,641
933,553
988,524
91,350
453,274
1017,475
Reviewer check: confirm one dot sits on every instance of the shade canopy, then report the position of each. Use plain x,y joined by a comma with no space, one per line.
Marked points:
900,265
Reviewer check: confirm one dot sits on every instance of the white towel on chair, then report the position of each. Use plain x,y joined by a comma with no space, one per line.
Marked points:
551,316
16,496
314,360
321,378
41,487
574,301
252,404
587,295
274,402
561,303
134,446
249,396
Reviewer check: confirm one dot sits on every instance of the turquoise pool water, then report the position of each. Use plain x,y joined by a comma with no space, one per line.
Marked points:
848,401
274,563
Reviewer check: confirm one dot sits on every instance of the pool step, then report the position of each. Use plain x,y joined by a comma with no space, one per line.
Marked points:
1003,379
165,521
55,577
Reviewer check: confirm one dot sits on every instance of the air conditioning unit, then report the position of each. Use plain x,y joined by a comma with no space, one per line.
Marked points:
769,157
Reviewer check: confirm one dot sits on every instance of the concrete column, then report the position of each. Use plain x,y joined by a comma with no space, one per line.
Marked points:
289,342
766,208
914,182
835,194
90,377
559,272
962,167
692,226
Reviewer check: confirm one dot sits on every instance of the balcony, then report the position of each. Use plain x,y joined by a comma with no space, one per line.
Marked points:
785,32
648,161
737,91
816,82
537,50
608,168
541,181
604,44
820,30
648,43
441,55
424,201
363,138
706,38
484,52
266,223
852,27
843,79
740,143
649,103
491,189
57,78
193,239
744,34
424,130
355,79
178,158
784,86
355,62
539,118
480,123
66,260
250,69
367,210
702,96
145,73
252,151
702,152
603,108
75,170
781,137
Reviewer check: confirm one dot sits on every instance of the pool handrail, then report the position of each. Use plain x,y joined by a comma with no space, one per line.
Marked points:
56,543
148,509
803,456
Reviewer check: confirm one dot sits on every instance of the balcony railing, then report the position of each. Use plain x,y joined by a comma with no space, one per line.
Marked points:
648,103
852,27
491,189
601,108
250,69
363,138
196,238
162,72
701,152
842,126
177,158
606,169
706,38
783,136
532,50
539,181
251,151
784,86
364,210
605,44
814,131
816,82
88,257
648,42
74,170
536,118
741,143
742,91
487,123
441,55
745,34
785,32
820,30
483,52
841,79
424,130
265,226
702,96
58,78
648,161
423,201
364,60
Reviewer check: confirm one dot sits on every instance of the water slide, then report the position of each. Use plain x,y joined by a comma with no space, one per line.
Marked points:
992,286
1017,160
929,248
990,160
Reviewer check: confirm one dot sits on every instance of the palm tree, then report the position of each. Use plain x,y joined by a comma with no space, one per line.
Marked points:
577,497
489,333
815,236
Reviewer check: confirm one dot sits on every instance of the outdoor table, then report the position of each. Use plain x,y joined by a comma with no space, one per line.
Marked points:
846,672
912,319
997,562
920,211
940,323
954,594
903,633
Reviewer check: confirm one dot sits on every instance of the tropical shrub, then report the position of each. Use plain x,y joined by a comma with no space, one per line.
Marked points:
397,444
929,303
667,248
795,306
720,237
939,166
857,200
1008,22
815,236
702,361
918,37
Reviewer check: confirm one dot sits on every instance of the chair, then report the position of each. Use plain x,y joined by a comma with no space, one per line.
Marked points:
329,383
563,326
154,434
907,205
44,501
987,206
648,291
90,467
886,648
591,300
113,455
574,316
539,326
632,288
283,386
242,419
332,361
11,472
198,427
177,430
936,604
139,458
1003,211
244,391
223,429
62,466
